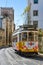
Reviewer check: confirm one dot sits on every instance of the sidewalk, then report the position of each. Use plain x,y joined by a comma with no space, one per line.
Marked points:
40,54
4,47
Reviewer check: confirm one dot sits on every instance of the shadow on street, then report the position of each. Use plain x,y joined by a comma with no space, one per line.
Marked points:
35,57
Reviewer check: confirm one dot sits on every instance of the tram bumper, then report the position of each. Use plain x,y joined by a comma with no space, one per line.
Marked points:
29,50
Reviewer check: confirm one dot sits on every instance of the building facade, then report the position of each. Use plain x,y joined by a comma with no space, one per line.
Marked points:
2,37
36,11
2,33
7,23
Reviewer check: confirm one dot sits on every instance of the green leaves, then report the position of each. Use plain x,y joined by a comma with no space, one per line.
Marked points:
40,32
27,9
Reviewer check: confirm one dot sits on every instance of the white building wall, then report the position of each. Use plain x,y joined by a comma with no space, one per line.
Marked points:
38,7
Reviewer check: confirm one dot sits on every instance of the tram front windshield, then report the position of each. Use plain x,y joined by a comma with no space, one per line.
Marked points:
31,36
28,36
24,36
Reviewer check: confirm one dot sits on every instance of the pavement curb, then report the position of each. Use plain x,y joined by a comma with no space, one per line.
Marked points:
40,54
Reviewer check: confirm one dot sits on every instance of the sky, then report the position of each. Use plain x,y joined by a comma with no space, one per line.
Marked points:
18,6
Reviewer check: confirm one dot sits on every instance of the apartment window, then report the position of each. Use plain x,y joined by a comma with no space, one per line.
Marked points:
35,13
35,23
0,23
0,37
35,1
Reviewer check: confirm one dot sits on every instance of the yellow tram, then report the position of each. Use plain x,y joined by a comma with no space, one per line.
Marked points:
25,40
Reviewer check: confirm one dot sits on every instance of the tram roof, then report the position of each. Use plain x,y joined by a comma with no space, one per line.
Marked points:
24,29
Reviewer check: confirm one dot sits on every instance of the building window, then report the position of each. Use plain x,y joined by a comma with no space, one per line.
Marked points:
35,1
0,23
35,23
35,13
0,37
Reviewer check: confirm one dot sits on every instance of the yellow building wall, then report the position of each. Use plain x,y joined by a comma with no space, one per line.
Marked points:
2,38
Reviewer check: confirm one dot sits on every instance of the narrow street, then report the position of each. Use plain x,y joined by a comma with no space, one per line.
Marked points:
9,57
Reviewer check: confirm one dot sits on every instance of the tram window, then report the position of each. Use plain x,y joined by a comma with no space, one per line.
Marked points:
15,39
19,36
31,36
24,36
36,37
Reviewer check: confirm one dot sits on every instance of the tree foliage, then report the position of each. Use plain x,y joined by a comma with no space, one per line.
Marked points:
40,31
27,9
